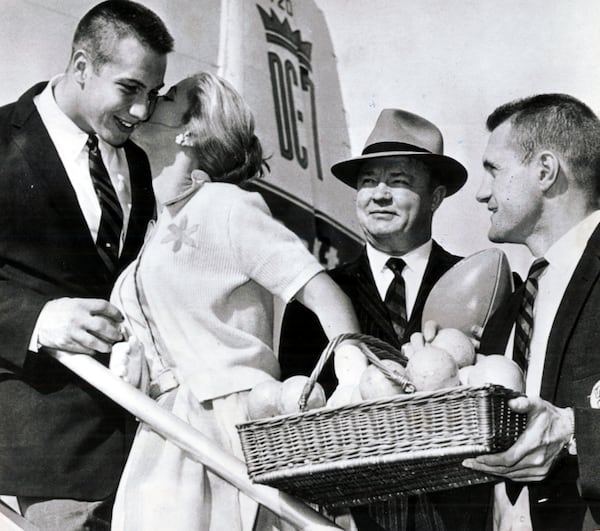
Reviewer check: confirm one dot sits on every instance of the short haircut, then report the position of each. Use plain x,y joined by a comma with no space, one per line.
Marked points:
559,123
117,19
222,128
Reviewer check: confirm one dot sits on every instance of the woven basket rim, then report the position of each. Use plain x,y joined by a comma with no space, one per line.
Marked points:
442,394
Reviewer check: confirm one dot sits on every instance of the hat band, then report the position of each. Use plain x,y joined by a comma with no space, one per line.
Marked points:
382,147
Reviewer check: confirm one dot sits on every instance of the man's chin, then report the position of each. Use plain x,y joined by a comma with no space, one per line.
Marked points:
496,236
115,138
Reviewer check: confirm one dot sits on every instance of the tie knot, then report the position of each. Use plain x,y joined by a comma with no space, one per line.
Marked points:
396,265
92,142
537,268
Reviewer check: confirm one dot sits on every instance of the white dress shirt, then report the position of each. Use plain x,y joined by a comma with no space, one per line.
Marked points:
70,143
562,257
416,263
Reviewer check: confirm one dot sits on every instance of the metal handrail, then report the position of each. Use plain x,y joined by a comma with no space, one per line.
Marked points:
179,432
13,521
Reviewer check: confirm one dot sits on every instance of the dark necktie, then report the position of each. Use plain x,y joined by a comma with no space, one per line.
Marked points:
524,323
395,298
111,220
523,333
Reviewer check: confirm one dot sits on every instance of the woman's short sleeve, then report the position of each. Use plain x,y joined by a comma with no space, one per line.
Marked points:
270,253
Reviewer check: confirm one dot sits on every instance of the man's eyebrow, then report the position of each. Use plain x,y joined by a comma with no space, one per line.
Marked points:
140,84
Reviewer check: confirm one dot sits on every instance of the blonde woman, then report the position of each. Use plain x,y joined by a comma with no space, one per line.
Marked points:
199,298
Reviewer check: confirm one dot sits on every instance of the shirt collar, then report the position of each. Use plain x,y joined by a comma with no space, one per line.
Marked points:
566,252
415,259
72,139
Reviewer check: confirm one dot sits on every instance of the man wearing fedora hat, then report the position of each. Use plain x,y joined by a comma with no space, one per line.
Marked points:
401,178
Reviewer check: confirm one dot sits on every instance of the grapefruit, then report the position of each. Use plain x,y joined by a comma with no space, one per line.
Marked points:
263,400
375,384
497,369
432,368
457,344
290,392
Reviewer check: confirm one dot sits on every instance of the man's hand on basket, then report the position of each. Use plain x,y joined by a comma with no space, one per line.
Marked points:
127,359
419,339
549,429
430,329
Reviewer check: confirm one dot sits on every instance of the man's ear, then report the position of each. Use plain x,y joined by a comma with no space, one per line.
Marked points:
439,192
81,65
548,167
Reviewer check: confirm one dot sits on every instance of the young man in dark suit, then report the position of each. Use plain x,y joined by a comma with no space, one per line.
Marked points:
401,178
543,162
76,199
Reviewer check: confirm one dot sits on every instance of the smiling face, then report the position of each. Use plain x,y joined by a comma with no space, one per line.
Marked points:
118,95
395,202
510,189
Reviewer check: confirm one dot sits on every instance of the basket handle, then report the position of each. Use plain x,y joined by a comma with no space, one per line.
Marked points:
371,347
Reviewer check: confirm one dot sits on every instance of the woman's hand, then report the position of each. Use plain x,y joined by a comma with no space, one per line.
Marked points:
127,360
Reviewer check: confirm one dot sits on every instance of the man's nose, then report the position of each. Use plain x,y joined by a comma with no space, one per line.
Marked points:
141,108
484,193
382,192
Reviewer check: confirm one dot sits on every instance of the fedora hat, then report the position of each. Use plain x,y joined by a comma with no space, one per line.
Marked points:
399,133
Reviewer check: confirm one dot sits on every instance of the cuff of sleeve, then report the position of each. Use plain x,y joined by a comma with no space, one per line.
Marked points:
571,445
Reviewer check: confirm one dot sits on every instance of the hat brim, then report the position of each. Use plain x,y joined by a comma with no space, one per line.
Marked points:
449,172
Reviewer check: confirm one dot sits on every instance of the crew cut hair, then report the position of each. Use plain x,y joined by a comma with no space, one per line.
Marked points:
112,20
558,123
221,126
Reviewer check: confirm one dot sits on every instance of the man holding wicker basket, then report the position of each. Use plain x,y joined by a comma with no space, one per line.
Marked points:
543,162
401,178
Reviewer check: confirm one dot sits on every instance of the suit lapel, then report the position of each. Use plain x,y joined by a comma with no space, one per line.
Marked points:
584,277
372,313
47,169
499,326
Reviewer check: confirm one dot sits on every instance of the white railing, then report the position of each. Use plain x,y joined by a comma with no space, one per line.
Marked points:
12,521
223,464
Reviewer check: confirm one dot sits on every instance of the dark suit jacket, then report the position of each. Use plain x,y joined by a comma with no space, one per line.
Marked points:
571,369
302,338
58,437
302,341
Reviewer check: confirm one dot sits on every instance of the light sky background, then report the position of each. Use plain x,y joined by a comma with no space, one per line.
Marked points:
453,62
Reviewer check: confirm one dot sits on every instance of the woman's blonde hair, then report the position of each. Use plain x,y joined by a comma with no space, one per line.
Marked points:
222,130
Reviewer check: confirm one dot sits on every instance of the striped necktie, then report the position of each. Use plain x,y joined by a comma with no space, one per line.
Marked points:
111,220
395,297
523,333
524,323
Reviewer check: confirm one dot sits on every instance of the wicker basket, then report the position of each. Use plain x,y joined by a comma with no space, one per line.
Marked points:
379,449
